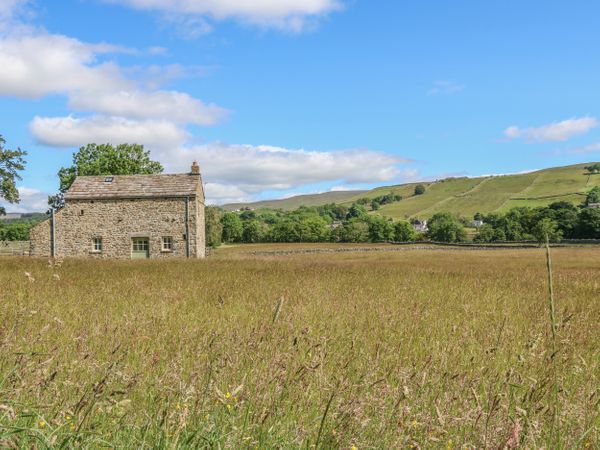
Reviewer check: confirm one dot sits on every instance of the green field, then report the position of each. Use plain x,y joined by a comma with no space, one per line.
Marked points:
466,196
253,349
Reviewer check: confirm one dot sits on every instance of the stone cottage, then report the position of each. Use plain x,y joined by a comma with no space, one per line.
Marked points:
127,216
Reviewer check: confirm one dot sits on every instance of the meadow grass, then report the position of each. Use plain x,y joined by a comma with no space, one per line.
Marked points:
413,349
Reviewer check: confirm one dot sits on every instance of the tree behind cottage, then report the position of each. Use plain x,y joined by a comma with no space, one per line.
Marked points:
11,163
104,159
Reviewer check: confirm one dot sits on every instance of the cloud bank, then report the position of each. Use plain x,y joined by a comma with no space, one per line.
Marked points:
232,172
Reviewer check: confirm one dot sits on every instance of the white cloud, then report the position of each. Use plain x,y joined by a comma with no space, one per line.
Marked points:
38,64
176,106
591,148
261,167
289,15
31,200
74,132
231,171
557,131
10,10
247,170
225,193
445,87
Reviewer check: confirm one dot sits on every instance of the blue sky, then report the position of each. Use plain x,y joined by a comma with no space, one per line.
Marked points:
275,97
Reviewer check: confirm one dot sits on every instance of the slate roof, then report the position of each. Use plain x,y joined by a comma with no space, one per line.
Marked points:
134,186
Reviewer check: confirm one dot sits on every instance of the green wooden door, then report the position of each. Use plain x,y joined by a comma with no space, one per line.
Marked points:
140,248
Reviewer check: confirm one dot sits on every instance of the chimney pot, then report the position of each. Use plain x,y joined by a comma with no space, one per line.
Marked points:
195,168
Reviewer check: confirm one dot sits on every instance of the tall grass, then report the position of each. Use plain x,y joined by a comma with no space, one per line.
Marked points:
424,349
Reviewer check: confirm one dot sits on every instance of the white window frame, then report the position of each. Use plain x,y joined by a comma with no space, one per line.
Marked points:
97,244
166,244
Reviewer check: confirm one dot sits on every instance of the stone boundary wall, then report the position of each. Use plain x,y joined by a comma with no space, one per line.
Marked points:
14,248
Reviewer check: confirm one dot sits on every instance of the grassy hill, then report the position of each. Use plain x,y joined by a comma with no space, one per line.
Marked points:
464,196
291,203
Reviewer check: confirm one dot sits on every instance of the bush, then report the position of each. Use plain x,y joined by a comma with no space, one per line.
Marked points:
380,229
444,227
419,189
15,232
356,230
213,226
232,227
547,229
404,232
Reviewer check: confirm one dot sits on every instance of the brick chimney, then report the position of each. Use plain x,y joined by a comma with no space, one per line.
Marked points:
195,168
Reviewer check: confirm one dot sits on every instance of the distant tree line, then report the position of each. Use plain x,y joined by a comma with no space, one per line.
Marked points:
559,220
340,223
327,223
376,202
593,169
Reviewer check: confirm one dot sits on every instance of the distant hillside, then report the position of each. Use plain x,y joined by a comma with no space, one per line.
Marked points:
462,196
299,200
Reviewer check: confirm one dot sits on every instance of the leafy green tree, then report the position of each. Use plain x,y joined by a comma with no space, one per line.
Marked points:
566,216
213,226
593,196
444,227
404,232
232,227
380,229
419,189
254,231
285,231
247,214
588,226
355,230
547,229
105,159
593,169
357,211
11,163
14,232
313,229
487,233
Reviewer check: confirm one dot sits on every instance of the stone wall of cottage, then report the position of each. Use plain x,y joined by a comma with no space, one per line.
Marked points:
117,221
40,239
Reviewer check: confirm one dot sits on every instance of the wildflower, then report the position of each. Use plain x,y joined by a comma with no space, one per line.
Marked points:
178,407
450,444
228,395
68,417
42,423
354,447
228,407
